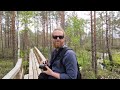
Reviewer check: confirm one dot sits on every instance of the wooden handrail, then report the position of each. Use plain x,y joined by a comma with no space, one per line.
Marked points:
34,69
15,71
35,58
40,55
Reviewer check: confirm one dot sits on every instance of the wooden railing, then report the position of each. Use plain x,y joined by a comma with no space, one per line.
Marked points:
16,72
35,59
39,55
34,70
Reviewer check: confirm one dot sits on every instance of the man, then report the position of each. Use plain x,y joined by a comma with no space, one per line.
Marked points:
55,71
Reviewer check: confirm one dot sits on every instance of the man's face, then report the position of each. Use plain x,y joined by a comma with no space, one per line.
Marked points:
58,38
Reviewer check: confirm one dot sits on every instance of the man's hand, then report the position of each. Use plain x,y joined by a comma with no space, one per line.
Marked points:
50,72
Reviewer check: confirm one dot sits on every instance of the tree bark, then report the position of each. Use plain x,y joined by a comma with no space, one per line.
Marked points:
0,29
107,41
13,37
62,18
95,44
92,42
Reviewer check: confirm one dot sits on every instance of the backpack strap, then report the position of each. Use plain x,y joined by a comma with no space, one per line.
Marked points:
54,58
62,55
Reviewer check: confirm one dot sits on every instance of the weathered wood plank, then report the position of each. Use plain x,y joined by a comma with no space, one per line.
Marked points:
37,65
41,55
35,76
30,65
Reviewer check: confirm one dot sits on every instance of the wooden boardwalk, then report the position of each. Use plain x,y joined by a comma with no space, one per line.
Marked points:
35,58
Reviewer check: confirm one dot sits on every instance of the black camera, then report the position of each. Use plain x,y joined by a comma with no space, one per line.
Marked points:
42,66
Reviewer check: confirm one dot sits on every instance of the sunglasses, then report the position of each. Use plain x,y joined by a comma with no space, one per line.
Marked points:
60,37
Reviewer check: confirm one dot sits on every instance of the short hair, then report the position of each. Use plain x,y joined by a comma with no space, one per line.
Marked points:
59,29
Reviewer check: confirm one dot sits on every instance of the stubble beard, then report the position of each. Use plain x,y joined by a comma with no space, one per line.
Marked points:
57,44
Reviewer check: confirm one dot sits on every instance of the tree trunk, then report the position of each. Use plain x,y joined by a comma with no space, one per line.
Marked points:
50,23
0,29
11,33
13,37
92,42
18,35
95,43
103,42
107,42
46,28
1,37
112,29
43,31
62,17
2,43
5,31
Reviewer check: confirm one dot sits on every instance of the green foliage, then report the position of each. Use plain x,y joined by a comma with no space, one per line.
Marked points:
25,64
116,58
87,46
27,29
7,53
84,61
25,17
116,64
44,51
87,72
108,64
5,67
106,74
74,30
98,56
22,53
83,57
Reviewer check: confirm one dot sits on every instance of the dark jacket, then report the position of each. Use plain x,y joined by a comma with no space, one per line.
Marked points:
70,63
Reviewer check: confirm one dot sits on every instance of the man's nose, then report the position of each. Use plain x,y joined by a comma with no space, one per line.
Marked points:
58,38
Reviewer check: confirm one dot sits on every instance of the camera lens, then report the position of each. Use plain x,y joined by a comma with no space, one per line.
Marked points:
42,66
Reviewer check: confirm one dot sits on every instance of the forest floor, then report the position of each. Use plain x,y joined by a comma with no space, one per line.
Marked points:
5,67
